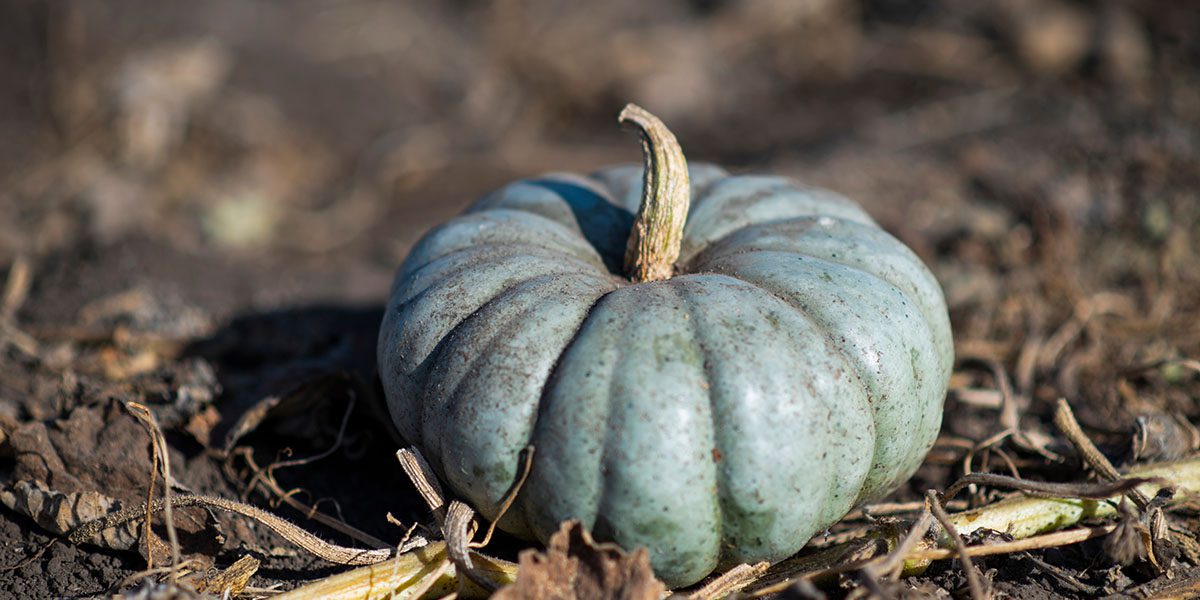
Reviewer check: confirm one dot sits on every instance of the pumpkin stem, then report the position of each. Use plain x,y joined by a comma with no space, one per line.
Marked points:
666,193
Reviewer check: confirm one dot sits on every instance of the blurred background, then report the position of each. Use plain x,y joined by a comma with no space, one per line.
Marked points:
247,175
228,158
321,130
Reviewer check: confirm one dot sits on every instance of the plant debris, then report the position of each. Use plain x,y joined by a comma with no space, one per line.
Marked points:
96,462
202,213
230,581
575,566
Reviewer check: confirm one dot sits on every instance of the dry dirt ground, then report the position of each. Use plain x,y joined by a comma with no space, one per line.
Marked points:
201,205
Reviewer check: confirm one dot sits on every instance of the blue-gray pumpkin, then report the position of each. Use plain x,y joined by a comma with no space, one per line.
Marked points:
792,366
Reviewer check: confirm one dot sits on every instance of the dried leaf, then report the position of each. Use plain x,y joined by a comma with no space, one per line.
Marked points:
201,424
95,448
59,512
94,462
576,567
1163,437
231,581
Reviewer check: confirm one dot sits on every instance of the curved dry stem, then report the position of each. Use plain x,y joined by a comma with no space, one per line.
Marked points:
292,533
657,232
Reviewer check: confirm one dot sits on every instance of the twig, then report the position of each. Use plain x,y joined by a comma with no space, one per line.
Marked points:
173,571
16,288
1063,576
458,521
828,540
1039,542
309,542
424,479
400,576
267,478
1044,489
510,497
890,565
458,529
1010,414
337,442
871,511
1008,461
974,582
161,458
1064,420
827,562
148,525
730,582
311,512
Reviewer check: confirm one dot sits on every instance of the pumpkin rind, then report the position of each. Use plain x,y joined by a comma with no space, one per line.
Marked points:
795,366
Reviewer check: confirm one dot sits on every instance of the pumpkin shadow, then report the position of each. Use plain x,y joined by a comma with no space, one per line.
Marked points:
311,368
604,225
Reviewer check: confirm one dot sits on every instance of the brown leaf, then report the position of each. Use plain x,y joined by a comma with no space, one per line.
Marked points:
59,512
96,448
201,424
231,581
576,567
94,462
1163,437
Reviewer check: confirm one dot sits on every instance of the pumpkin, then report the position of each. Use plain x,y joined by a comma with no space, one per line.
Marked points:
715,367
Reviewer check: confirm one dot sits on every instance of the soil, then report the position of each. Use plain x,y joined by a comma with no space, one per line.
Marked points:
202,205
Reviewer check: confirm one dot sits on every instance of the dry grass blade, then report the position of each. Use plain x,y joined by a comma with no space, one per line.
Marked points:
424,572
16,288
309,542
1062,575
231,581
429,570
731,581
266,477
425,480
1040,542
268,481
1064,419
161,459
827,562
173,571
458,529
1028,519
892,564
974,578
1042,489
510,497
